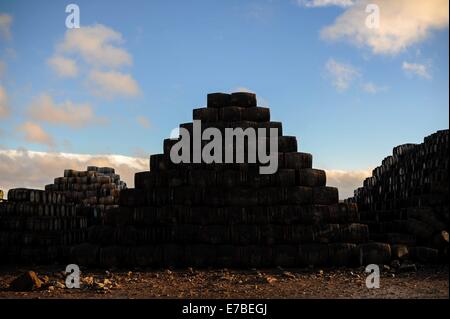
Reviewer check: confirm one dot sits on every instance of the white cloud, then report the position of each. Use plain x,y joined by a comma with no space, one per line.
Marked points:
242,89
402,24
96,51
22,168
64,67
4,105
112,83
5,25
43,108
143,121
97,45
347,181
325,3
33,133
341,74
4,100
417,69
372,88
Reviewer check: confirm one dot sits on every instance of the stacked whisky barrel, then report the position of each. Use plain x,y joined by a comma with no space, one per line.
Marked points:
406,200
40,226
228,214
37,225
94,190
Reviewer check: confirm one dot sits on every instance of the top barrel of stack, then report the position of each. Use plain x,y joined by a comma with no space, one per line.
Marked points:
238,99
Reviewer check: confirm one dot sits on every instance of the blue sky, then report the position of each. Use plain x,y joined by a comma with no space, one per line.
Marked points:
349,103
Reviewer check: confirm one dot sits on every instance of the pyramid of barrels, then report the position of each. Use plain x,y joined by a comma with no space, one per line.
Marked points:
228,214
40,226
405,202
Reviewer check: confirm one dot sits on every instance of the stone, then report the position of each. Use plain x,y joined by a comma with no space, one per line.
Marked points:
441,239
399,252
89,280
28,281
60,285
45,279
289,275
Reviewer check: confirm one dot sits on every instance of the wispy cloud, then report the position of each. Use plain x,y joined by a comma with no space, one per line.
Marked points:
4,103
402,24
347,181
112,83
143,121
372,88
44,109
34,133
96,52
341,74
22,168
98,45
5,33
325,3
242,89
5,25
416,69
64,67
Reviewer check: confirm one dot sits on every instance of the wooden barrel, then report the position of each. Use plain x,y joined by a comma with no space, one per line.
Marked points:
243,99
325,195
399,252
85,254
205,114
310,177
425,255
217,100
375,253
256,114
297,160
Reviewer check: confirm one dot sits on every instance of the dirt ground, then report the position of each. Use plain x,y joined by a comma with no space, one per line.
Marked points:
426,282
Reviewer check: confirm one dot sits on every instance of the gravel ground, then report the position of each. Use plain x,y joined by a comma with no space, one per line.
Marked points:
426,282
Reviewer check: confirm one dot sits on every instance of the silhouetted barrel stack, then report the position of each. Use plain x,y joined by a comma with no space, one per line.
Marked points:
406,200
211,213
95,190
37,226
40,226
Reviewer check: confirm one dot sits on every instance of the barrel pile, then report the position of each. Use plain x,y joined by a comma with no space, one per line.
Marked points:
95,189
41,225
229,214
406,200
37,225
